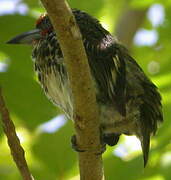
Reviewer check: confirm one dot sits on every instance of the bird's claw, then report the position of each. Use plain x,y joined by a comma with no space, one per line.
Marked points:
75,145
76,148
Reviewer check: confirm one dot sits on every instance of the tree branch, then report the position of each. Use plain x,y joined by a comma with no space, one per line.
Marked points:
13,141
128,24
86,115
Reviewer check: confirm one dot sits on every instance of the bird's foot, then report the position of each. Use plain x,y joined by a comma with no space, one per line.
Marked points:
76,148
110,139
74,144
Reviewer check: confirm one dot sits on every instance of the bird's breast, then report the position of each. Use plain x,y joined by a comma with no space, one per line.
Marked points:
52,75
54,81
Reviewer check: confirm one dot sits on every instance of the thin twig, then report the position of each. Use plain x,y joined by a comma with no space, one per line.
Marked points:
86,116
13,141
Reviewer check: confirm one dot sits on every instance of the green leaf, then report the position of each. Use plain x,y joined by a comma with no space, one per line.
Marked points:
143,3
55,152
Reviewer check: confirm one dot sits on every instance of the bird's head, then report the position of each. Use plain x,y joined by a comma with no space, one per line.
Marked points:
43,28
44,25
90,29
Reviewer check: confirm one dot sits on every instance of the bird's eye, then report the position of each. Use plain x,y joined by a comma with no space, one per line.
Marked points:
46,31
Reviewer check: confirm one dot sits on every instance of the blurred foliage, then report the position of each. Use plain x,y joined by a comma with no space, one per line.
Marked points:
147,3
49,154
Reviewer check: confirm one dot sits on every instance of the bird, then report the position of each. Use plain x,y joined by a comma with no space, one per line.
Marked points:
128,102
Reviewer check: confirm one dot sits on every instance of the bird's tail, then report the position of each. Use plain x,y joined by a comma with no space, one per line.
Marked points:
145,144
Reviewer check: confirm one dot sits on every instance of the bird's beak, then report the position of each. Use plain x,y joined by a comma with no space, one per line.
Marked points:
26,38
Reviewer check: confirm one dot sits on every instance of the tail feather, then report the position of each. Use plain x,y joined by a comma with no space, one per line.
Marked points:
145,144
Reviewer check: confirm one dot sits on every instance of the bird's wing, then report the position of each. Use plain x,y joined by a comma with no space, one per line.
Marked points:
109,72
140,87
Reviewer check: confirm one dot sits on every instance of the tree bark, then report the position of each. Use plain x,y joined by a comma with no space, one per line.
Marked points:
128,24
86,115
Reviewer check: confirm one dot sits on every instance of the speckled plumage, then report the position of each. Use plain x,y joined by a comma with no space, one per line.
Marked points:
128,101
